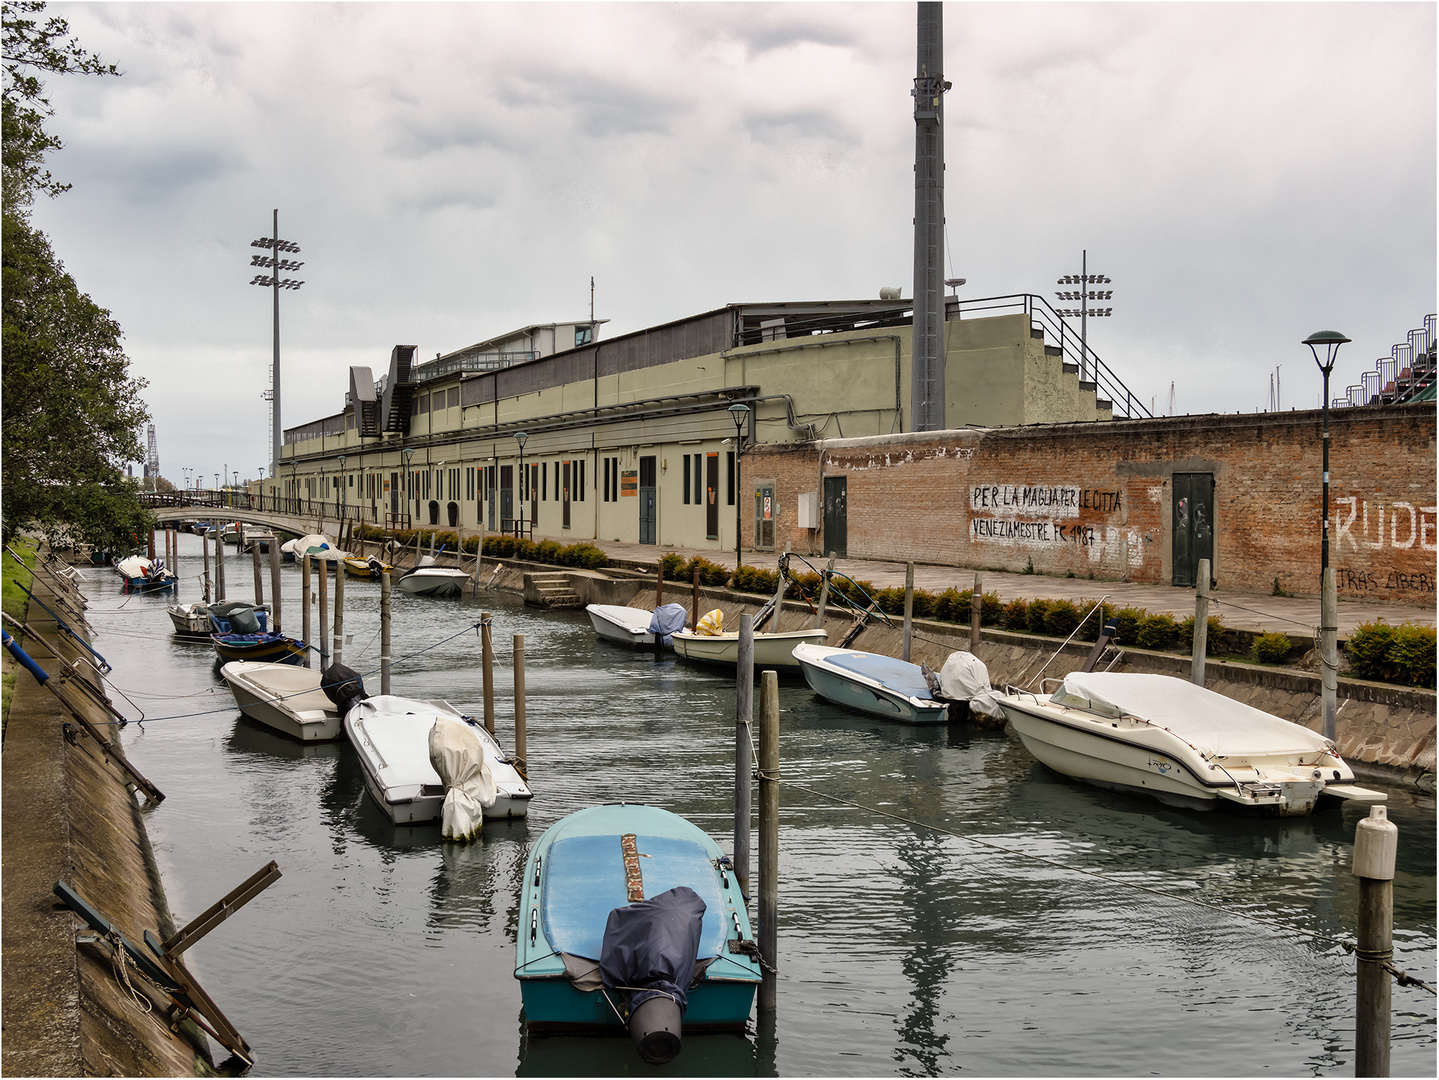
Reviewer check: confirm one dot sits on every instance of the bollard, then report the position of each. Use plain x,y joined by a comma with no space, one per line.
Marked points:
744,713
976,610
384,632
824,592
324,601
1201,625
275,583
908,610
487,670
337,649
305,605
520,747
1376,840
205,554
259,582
768,835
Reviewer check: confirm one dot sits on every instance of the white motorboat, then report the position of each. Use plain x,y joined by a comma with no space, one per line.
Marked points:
392,737
771,651
427,579
871,683
1186,746
284,697
632,626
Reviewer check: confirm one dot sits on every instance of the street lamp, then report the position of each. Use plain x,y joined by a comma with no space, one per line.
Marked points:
408,453
273,281
344,500
521,437
1084,311
738,413
1328,591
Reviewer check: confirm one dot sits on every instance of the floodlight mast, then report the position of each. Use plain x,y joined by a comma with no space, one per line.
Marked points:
273,281
1084,279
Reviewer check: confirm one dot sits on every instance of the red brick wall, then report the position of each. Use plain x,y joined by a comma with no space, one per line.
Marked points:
1097,498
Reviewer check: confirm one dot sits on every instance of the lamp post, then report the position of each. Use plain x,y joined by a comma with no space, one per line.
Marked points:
738,413
344,500
408,453
1328,591
521,437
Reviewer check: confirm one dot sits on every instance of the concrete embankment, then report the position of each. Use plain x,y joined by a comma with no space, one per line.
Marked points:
1386,733
69,816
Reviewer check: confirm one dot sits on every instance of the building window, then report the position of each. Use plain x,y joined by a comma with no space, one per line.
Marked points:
687,479
699,480
584,335
544,482
580,481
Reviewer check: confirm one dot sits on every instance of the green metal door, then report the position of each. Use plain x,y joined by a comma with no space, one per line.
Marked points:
1193,526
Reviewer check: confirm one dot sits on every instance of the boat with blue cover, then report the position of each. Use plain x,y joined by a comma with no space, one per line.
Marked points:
239,633
871,683
631,918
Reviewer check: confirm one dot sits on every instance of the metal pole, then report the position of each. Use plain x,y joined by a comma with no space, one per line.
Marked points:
275,582
738,499
1201,625
1329,652
744,713
1376,842
908,609
976,610
305,606
768,835
277,436
519,666
337,650
384,632
487,669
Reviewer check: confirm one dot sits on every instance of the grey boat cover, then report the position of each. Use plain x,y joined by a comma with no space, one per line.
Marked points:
1215,724
666,620
343,686
649,947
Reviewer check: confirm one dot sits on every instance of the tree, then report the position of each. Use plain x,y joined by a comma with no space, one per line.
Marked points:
72,411
31,47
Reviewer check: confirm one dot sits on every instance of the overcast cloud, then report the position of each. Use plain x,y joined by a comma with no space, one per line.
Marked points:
1246,173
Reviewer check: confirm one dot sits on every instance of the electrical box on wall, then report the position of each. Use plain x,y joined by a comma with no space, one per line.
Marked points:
809,510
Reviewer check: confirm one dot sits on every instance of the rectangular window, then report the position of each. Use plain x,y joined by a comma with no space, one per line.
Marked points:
544,481
452,398
729,476
584,335
580,482
687,479
422,403
699,480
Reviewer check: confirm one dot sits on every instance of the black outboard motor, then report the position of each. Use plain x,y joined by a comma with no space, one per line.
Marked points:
343,686
649,948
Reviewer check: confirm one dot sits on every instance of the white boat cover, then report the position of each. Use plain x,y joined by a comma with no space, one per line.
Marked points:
965,678
134,566
458,756
1210,721
318,547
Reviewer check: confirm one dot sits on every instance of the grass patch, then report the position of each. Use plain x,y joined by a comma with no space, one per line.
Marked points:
15,604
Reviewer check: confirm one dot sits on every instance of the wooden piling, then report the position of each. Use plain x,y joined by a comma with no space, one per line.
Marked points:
1376,842
324,601
976,611
337,649
824,592
908,610
205,554
275,582
744,714
520,747
1200,642
660,585
259,580
487,669
768,835
384,632
150,552
219,566
305,605
695,599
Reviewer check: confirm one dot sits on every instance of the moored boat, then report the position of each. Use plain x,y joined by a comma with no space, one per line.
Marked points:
265,646
427,579
192,621
771,651
370,567
140,574
636,626
284,697
628,911
871,683
1184,745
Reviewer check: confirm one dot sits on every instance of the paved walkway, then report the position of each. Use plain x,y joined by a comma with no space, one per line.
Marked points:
1242,611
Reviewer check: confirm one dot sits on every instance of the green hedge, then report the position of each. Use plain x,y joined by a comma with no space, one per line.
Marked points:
1398,654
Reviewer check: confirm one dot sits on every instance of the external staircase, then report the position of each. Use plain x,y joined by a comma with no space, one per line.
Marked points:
550,590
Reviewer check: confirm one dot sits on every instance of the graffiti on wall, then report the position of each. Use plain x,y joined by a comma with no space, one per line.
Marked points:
1043,515
1364,528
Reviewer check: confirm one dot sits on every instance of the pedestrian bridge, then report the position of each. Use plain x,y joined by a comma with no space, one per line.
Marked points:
299,516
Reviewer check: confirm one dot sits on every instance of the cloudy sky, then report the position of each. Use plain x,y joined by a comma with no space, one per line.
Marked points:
1245,173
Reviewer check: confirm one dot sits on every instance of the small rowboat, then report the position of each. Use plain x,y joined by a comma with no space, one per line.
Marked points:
267,645
631,918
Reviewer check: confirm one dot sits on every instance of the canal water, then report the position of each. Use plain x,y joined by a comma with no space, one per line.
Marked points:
1050,929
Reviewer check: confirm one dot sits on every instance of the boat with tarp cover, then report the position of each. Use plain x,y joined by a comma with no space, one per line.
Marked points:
631,919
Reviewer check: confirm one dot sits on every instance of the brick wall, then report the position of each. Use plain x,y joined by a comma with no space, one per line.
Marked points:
1099,498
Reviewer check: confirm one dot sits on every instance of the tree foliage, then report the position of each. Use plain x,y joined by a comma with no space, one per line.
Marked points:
31,47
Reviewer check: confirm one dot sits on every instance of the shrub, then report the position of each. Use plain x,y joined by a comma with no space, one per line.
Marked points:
952,605
991,610
1412,654
1062,618
891,601
1272,648
1015,615
752,579
1186,633
674,566
548,551
712,574
1036,617
1127,623
585,556
1401,654
859,592
1158,631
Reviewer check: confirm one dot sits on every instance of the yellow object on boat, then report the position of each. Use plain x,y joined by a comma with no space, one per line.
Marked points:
711,623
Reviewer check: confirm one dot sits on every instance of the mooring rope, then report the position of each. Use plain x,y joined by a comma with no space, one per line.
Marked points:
120,962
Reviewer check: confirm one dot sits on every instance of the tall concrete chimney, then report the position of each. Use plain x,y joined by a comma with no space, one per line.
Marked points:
927,382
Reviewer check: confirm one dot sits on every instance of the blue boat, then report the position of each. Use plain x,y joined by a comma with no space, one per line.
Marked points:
611,882
871,683
239,632
140,574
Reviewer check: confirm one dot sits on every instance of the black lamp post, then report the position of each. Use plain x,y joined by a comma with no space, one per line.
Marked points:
1331,340
520,437
738,413
408,453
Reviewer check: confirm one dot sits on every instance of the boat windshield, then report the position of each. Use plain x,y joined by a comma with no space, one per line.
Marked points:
1066,696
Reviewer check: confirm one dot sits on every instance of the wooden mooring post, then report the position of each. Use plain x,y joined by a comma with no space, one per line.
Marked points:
205,555
768,836
520,748
384,632
259,581
908,610
976,610
1201,624
275,583
1376,842
487,669
337,649
324,612
219,566
824,592
305,606
744,715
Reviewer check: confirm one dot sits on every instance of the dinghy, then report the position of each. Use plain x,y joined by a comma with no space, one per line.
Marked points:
284,697
631,918
636,626
1184,745
773,652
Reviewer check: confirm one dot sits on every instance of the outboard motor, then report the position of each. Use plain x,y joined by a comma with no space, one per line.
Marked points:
343,686
650,948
